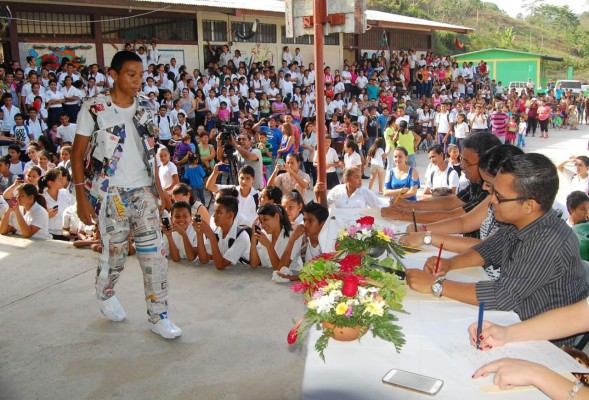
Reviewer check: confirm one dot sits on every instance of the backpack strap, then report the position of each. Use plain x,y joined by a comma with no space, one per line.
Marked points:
257,201
240,229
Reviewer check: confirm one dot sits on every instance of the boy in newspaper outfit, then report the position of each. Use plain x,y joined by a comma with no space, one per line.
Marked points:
117,185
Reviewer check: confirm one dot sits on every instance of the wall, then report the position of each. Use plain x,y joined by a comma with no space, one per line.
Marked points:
78,53
185,54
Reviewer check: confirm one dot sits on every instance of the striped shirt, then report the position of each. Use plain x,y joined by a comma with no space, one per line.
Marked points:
499,122
541,268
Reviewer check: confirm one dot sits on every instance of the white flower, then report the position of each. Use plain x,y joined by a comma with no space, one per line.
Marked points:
323,304
367,232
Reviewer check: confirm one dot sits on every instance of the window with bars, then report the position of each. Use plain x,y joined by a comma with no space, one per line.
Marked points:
332,39
214,31
305,39
46,24
141,28
265,33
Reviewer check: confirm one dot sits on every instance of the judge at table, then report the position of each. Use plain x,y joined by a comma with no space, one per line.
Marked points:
541,268
351,193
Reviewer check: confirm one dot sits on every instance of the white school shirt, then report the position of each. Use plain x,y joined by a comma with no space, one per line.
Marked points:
179,242
71,92
330,158
441,178
64,200
36,127
352,160
247,205
66,133
8,121
57,95
166,173
239,249
461,131
296,262
36,216
165,126
361,198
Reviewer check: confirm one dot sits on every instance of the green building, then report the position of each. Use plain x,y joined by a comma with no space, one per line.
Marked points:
510,65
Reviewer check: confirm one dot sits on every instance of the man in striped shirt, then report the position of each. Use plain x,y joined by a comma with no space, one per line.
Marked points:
541,268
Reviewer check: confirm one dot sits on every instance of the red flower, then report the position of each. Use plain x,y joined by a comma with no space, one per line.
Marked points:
366,221
350,262
325,256
292,336
300,287
350,286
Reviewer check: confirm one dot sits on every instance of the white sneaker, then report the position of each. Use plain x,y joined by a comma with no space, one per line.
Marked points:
112,309
166,329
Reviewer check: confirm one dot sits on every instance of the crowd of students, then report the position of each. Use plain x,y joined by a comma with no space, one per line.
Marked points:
254,126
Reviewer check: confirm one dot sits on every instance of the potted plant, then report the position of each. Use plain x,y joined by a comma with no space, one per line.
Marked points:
350,292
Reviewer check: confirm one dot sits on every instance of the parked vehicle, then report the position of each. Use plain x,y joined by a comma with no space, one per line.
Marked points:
573,85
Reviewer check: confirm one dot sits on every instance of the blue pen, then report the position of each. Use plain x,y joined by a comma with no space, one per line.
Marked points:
480,323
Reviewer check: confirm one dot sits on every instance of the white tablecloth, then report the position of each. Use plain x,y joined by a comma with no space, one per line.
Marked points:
354,370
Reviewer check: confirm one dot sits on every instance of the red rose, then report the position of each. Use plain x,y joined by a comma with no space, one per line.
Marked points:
366,221
350,262
350,286
292,336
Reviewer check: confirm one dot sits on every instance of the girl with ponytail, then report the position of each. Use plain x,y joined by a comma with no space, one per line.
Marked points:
27,215
270,235
57,199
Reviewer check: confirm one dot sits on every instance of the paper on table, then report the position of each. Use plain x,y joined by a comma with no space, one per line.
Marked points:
468,359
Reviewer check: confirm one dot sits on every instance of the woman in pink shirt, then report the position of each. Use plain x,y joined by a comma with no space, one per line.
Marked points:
544,118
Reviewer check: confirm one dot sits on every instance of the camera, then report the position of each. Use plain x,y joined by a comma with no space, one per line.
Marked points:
197,218
166,222
227,133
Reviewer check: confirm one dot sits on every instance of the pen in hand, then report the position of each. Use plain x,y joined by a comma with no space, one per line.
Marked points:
439,257
480,323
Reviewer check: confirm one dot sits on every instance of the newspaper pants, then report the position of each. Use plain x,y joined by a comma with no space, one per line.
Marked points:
125,211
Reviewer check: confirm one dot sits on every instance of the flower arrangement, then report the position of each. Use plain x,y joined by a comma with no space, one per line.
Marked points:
352,289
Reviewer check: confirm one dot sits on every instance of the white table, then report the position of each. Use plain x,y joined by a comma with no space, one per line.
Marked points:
354,370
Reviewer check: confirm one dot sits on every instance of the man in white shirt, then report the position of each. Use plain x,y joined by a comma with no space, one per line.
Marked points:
66,131
70,71
440,174
228,243
99,78
173,68
153,56
164,126
37,127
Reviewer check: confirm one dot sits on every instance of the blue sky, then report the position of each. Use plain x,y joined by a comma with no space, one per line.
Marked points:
512,7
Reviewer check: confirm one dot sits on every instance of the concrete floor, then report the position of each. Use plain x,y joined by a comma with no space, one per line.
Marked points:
55,344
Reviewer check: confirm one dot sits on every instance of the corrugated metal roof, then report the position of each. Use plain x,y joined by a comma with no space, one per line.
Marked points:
278,7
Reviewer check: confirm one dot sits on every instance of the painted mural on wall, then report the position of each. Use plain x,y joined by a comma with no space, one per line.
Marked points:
78,54
260,52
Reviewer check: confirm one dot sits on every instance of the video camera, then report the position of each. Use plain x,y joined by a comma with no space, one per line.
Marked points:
229,131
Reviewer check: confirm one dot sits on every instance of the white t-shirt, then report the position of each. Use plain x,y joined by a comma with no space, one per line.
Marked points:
461,130
296,262
361,198
330,158
131,170
179,242
377,159
71,220
36,128
66,133
247,205
64,200
166,173
352,160
239,249
36,216
441,178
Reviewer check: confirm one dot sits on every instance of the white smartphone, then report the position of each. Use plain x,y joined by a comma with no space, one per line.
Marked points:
416,382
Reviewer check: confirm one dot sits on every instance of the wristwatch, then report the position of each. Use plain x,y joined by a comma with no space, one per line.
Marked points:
427,238
437,287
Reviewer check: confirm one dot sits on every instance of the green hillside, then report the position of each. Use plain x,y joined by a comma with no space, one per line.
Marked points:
545,29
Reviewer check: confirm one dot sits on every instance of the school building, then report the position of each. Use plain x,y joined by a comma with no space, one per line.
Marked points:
91,31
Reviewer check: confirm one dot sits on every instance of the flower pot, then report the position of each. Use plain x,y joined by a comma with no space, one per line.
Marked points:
343,333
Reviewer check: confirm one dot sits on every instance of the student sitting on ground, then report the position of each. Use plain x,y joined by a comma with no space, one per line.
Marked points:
228,243
268,244
270,195
27,215
180,236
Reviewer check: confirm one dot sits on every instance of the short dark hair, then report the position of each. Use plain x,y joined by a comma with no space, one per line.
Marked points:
480,142
180,205
584,160
574,199
229,203
316,209
122,57
536,177
247,170
437,149
491,160
228,191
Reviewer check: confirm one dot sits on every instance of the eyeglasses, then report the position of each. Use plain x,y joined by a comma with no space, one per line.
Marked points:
501,199
463,163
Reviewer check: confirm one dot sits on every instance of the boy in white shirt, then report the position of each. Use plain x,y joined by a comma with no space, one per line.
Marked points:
179,236
66,131
440,174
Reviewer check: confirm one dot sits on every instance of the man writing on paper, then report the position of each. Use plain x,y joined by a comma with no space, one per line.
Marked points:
539,255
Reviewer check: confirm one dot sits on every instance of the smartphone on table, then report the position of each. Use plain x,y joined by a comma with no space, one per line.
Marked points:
412,381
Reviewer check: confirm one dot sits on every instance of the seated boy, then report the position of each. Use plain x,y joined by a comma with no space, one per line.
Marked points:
228,243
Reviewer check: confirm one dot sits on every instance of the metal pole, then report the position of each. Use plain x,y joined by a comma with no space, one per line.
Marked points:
320,17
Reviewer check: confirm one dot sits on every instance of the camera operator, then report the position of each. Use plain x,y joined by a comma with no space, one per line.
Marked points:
248,155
